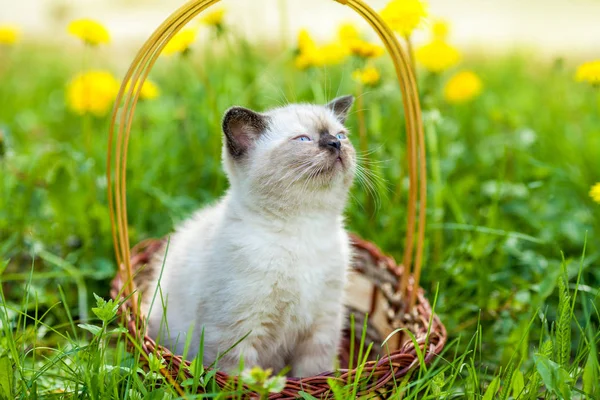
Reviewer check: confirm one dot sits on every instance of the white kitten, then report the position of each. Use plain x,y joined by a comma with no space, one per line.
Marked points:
270,259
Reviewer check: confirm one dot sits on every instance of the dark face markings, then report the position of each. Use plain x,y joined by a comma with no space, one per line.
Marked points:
330,142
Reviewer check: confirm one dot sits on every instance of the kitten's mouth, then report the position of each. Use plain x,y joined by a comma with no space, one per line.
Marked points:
339,159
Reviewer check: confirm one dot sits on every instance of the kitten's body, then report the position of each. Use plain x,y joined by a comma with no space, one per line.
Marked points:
270,259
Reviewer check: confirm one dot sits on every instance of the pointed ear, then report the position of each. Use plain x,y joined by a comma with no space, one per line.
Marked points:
241,128
340,107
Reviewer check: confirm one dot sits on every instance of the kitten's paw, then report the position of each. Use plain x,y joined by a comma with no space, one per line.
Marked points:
245,356
310,366
317,352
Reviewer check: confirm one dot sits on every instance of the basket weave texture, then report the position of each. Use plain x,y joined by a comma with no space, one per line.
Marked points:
377,375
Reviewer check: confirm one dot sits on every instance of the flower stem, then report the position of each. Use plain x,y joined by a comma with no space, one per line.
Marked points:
85,118
86,128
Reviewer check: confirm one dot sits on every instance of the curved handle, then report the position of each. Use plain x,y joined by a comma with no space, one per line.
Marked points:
137,73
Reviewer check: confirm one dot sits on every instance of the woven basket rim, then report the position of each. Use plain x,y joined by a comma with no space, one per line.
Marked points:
394,365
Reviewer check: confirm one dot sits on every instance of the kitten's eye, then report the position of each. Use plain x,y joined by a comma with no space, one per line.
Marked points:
340,136
303,138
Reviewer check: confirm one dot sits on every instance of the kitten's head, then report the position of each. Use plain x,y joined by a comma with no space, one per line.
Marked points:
296,154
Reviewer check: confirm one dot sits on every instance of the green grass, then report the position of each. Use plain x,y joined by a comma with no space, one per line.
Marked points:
508,221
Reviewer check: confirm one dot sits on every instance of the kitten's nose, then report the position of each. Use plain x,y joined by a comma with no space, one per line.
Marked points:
330,142
335,143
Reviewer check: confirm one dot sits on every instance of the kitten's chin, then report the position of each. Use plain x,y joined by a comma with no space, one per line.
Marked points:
338,170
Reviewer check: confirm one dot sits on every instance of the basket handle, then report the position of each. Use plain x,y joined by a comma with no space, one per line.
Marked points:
137,73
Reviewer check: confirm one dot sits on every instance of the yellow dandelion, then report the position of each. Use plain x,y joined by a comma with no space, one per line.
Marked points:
312,55
589,72
595,192
437,56
331,54
181,42
305,41
92,92
149,90
463,87
304,60
404,16
9,34
90,31
365,49
349,37
307,50
369,76
440,29
214,18
347,32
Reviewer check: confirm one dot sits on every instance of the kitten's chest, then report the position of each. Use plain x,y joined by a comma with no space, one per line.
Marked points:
297,270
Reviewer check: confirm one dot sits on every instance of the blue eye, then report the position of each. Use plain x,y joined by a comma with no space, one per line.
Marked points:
340,136
303,138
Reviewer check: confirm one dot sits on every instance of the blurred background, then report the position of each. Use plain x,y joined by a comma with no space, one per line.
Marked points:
552,27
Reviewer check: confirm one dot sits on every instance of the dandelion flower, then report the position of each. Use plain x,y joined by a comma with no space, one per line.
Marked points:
312,55
595,192
9,34
331,54
369,76
404,16
349,37
347,32
589,72
305,41
149,90
181,42
437,56
214,18
306,59
365,49
308,54
463,87
440,29
90,31
92,92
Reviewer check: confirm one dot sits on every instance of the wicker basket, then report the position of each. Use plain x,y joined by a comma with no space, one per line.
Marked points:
390,297
375,272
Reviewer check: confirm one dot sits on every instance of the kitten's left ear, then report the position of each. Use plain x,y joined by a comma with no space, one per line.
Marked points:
340,107
242,127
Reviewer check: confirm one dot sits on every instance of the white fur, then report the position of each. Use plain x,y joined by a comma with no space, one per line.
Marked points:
269,260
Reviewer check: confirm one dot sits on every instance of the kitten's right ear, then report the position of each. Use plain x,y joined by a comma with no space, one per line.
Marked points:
242,127
340,107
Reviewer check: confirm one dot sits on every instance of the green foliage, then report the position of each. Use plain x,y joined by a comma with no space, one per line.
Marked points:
262,382
591,374
7,377
556,379
490,393
105,310
562,346
518,385
534,384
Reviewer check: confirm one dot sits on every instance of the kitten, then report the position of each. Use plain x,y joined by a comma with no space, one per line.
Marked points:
270,259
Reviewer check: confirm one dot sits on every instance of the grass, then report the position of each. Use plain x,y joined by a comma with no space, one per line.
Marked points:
512,249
